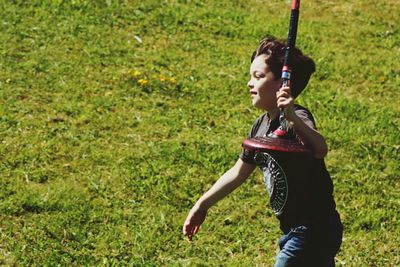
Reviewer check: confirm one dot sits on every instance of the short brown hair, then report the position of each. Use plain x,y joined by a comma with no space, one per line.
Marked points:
302,66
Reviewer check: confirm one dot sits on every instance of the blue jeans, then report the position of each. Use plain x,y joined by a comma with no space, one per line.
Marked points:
311,246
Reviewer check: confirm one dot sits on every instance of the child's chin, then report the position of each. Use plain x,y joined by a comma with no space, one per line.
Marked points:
257,105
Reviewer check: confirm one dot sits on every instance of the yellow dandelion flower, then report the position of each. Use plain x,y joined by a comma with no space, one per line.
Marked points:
161,78
135,73
143,82
172,80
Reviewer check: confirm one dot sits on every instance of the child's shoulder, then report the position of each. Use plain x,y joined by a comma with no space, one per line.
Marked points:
302,110
304,114
298,107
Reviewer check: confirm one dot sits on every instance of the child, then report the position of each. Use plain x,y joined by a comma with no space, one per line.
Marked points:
307,211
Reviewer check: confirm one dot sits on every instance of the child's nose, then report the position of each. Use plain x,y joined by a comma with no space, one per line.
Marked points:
250,84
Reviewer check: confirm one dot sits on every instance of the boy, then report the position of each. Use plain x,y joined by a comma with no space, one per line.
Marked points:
311,225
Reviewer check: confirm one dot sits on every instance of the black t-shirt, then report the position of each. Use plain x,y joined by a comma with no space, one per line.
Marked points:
299,186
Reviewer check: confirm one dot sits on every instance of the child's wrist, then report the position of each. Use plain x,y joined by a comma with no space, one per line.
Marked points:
291,116
202,205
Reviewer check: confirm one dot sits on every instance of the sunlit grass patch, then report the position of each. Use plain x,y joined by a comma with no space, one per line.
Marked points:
116,116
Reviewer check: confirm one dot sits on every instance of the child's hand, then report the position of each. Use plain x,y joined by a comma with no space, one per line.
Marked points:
286,102
193,221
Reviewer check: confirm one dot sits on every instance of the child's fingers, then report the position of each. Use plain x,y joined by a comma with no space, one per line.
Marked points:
185,231
284,97
282,94
282,103
190,233
196,229
284,89
189,229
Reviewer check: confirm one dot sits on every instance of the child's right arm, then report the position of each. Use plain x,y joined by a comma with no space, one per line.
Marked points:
228,182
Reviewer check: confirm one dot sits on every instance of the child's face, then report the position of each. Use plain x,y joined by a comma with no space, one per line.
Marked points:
263,85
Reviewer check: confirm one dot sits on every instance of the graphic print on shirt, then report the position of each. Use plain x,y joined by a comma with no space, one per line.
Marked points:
275,181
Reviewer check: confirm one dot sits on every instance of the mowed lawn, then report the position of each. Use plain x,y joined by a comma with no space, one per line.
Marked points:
115,116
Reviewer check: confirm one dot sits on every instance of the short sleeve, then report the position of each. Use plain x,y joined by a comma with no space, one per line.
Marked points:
305,116
247,156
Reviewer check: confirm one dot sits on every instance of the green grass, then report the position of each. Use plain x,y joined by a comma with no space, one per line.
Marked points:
98,167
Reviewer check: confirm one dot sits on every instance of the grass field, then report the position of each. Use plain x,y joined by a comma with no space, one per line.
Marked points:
115,116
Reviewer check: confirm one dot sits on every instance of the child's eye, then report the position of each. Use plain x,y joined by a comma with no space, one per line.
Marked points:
257,75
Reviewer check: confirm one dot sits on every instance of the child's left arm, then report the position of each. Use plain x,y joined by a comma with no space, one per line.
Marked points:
309,136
